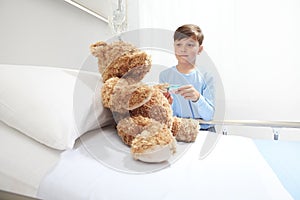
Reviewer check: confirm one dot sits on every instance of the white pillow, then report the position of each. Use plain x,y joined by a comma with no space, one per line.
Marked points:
52,105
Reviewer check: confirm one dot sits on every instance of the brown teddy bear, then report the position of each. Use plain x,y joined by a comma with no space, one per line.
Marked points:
142,113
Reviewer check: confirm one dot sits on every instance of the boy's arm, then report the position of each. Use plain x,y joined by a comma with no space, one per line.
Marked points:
201,102
207,101
206,108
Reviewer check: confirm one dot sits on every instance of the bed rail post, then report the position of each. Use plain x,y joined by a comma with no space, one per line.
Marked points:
275,133
224,131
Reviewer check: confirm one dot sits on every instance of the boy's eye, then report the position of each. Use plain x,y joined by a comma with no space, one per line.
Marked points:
191,45
178,44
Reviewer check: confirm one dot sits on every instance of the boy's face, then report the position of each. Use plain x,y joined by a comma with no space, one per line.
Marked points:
186,50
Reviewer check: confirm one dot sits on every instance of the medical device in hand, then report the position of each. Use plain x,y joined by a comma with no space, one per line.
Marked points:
173,88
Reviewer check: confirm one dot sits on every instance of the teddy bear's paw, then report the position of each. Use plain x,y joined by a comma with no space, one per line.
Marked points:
127,97
154,145
185,130
157,108
162,87
120,96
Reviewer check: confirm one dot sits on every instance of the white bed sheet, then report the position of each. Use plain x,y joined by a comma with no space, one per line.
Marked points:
23,162
234,170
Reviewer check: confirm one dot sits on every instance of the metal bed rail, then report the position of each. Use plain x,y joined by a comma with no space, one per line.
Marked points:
255,123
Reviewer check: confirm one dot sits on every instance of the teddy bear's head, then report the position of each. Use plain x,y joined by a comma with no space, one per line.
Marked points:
121,59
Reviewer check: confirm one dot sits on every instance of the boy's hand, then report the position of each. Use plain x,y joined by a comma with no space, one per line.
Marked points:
169,97
188,92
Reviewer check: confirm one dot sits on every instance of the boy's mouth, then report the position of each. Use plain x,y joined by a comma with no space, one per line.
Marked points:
182,56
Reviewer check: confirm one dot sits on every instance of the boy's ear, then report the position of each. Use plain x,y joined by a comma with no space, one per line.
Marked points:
200,49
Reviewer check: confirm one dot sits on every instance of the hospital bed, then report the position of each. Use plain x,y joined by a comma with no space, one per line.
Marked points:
58,142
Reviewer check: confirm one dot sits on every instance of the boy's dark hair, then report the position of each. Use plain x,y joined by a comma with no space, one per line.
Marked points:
189,30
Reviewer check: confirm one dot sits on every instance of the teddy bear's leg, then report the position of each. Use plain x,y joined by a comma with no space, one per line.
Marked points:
128,128
154,144
185,130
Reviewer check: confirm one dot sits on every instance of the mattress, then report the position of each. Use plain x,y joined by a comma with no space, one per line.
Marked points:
233,170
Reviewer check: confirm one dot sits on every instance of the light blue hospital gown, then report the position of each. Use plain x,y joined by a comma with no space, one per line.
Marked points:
203,108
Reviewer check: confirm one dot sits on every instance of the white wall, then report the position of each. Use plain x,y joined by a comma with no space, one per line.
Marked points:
254,45
264,66
47,32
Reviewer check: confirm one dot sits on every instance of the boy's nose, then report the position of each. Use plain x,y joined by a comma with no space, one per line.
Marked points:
183,48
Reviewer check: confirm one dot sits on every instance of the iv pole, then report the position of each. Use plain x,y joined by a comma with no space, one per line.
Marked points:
118,18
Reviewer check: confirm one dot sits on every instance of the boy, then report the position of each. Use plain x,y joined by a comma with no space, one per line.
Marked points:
192,99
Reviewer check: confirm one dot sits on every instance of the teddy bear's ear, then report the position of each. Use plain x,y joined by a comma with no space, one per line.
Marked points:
96,48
